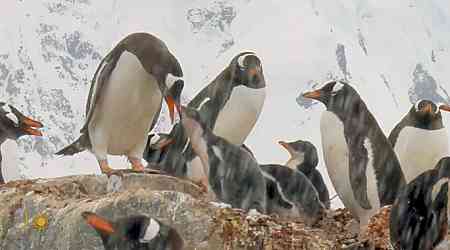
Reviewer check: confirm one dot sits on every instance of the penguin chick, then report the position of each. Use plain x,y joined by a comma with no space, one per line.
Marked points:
134,233
233,174
291,194
303,157
418,217
420,139
13,125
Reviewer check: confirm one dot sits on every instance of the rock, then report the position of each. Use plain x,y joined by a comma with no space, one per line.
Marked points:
46,214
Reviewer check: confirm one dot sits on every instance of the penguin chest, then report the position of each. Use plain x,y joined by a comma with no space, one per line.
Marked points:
240,113
9,161
419,150
336,156
130,100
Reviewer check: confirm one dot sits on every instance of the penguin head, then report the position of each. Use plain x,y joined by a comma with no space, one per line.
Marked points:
338,96
159,141
304,152
132,232
246,69
15,124
172,94
426,114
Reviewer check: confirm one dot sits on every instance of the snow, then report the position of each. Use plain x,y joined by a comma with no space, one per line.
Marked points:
393,52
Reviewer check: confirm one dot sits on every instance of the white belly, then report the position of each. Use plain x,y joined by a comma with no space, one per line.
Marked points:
9,162
336,157
237,119
419,150
131,99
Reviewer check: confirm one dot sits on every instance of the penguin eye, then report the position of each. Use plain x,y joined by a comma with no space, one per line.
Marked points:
418,105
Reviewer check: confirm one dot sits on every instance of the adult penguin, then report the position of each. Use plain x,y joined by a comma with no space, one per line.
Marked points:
125,99
13,125
137,232
360,161
420,139
230,106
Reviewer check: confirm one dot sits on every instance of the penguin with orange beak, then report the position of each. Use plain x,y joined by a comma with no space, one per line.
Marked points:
304,158
361,163
14,124
125,99
420,139
134,233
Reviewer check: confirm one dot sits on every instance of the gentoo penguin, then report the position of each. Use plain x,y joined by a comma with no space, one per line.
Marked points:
233,174
418,218
420,139
291,194
236,96
134,233
125,99
304,158
14,124
156,143
360,161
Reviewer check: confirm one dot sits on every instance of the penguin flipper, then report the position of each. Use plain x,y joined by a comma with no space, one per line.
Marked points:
358,161
81,144
99,81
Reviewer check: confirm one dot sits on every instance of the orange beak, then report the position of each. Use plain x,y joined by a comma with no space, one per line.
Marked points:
285,145
445,107
253,71
313,94
172,105
98,223
31,125
428,108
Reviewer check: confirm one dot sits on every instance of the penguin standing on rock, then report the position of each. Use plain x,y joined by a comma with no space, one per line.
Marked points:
291,194
420,139
230,106
418,218
361,163
233,174
134,233
125,99
13,124
304,158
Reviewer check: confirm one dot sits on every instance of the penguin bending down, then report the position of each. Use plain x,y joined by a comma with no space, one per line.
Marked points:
134,233
125,99
236,96
291,194
304,158
420,139
360,161
14,124
418,217
233,174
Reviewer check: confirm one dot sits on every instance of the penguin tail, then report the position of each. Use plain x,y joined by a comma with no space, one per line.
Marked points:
81,144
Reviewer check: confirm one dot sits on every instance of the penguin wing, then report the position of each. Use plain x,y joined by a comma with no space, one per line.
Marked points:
211,99
358,160
99,81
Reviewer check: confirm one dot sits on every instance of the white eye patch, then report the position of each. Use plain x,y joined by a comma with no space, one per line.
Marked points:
416,106
242,58
151,231
338,86
171,79
13,118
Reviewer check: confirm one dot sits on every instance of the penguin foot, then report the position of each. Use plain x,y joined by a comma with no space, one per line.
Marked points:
106,169
136,164
203,187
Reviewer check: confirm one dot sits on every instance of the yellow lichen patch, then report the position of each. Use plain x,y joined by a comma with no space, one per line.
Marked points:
40,222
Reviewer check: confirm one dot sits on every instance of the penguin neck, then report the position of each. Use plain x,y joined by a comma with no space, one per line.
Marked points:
428,124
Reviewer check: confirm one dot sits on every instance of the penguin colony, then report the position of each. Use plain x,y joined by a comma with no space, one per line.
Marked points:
409,169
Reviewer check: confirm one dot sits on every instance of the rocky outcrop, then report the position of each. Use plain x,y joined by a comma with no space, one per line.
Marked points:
46,214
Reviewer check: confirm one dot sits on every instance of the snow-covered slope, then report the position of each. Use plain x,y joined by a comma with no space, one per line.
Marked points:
394,52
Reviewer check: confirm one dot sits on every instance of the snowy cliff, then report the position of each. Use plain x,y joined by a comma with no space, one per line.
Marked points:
394,52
